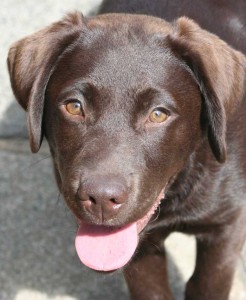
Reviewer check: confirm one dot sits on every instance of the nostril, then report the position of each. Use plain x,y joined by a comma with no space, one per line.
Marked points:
114,203
113,200
92,199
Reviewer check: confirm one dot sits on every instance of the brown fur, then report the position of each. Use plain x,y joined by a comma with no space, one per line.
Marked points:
121,67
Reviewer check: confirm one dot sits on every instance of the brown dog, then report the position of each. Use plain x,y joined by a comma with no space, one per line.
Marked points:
136,109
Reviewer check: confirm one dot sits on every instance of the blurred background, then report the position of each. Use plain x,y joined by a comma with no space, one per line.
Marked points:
37,255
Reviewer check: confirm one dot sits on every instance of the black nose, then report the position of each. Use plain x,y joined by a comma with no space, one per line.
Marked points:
102,196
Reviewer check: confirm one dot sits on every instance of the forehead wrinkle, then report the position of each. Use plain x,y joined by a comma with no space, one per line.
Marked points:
130,68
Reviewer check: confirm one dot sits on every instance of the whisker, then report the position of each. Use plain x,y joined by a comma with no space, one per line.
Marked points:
156,246
58,198
157,214
35,163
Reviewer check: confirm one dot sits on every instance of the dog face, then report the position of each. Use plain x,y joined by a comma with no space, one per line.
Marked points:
137,122
124,102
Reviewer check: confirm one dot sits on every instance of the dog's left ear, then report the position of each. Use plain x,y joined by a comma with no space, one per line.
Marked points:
31,62
219,71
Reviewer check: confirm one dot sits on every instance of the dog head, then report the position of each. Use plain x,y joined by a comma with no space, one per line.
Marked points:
124,101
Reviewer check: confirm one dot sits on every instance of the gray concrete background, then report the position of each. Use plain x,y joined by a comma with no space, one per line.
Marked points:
37,255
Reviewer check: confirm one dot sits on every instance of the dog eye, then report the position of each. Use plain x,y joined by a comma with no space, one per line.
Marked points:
158,116
74,107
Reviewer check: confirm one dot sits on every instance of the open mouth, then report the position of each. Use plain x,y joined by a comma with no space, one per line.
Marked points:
104,248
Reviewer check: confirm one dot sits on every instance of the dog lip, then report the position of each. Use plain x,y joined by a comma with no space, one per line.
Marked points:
142,223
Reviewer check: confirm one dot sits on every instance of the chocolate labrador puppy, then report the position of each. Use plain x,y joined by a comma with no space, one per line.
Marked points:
145,121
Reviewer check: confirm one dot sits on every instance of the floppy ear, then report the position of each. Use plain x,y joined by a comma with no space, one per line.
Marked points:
31,62
220,73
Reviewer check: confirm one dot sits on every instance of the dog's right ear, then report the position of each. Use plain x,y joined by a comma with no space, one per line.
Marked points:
31,62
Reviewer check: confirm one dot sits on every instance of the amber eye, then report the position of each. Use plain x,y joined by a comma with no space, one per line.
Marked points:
158,116
74,107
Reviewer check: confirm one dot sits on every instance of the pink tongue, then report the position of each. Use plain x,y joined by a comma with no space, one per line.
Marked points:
105,249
